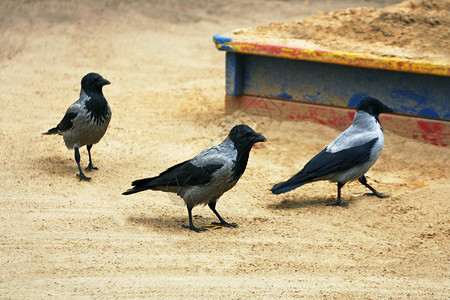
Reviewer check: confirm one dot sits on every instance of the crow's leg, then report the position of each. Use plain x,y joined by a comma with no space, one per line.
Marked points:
338,202
212,206
363,181
90,167
77,159
191,224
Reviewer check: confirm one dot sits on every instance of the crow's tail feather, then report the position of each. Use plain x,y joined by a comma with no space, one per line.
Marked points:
144,181
134,190
141,185
54,130
284,187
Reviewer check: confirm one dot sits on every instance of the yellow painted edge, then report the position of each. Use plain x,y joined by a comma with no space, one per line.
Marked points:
342,58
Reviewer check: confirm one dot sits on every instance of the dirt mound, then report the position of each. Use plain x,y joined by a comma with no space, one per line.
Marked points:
412,29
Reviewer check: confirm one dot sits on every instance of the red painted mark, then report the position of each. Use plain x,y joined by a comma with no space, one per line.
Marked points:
351,114
432,132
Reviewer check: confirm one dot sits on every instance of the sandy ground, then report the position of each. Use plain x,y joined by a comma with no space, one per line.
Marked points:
62,238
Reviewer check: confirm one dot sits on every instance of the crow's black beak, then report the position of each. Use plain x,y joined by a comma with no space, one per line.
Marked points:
105,82
387,109
260,138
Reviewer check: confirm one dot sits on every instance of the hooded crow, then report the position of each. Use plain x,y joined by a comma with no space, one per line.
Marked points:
349,156
86,120
204,178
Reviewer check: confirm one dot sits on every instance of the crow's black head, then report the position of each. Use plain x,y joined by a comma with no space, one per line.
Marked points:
93,82
95,104
243,136
373,106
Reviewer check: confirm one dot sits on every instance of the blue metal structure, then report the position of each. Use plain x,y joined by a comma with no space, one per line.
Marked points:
285,78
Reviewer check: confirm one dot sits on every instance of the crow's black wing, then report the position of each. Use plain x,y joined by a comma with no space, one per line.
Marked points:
187,174
182,174
66,122
325,163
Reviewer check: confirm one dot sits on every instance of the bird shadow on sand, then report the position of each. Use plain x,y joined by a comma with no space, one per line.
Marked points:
164,223
157,223
56,165
287,204
172,224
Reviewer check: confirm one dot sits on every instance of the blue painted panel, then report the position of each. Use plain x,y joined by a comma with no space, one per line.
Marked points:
234,73
409,93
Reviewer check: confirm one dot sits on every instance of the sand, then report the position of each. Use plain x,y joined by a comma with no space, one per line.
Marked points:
412,30
62,238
